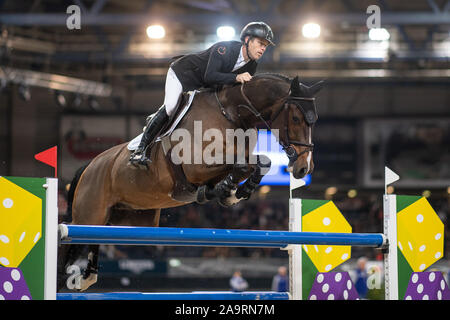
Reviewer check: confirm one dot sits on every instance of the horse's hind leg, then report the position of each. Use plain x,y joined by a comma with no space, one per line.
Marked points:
67,254
148,218
90,211
91,272
129,217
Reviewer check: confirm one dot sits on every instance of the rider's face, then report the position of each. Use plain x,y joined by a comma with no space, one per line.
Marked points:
257,47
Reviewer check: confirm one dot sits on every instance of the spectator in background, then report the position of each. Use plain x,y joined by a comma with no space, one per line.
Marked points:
280,282
237,282
361,277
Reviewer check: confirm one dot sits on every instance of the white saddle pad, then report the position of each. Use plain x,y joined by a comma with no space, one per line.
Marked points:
133,144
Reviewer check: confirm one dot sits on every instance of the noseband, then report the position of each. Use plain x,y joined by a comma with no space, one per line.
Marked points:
310,118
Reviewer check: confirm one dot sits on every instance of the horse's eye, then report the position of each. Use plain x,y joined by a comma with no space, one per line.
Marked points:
296,120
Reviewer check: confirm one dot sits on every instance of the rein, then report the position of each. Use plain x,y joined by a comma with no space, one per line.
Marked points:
287,147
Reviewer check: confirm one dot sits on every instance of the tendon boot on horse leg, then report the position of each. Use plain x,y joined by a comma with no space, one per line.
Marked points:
225,190
89,276
245,190
67,255
138,157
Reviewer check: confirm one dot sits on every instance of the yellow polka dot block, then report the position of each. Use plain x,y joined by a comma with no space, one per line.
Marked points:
326,218
20,223
420,235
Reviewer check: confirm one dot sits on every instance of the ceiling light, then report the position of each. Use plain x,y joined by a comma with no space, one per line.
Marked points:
331,190
156,31
379,34
426,193
60,99
225,32
311,30
352,193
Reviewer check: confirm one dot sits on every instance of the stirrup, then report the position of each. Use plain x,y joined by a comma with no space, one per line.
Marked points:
139,160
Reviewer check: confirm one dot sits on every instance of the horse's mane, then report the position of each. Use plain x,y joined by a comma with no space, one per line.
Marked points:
273,75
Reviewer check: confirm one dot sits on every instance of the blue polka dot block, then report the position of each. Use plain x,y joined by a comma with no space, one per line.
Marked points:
333,286
427,286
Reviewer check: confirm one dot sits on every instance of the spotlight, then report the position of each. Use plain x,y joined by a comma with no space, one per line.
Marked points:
225,32
426,193
352,193
24,92
311,30
60,99
264,189
379,34
331,191
156,31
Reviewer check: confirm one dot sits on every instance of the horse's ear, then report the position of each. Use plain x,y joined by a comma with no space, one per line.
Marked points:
316,87
295,87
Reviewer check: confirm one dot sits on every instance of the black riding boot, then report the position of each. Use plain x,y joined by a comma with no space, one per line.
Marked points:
155,125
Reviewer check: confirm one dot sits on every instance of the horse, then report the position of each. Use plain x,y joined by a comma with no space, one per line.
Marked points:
108,191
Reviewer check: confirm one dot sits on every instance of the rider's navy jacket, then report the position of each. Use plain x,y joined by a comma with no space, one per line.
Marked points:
212,66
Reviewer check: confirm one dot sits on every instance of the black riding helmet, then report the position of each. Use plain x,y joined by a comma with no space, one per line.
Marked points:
259,30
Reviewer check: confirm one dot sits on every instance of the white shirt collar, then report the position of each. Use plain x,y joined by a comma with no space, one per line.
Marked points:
240,60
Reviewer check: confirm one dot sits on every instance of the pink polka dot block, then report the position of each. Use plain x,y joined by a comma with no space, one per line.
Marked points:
13,285
427,286
333,286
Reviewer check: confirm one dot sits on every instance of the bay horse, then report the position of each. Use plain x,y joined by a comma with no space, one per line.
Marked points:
108,191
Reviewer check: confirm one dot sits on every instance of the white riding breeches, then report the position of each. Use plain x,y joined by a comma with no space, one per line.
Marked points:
173,91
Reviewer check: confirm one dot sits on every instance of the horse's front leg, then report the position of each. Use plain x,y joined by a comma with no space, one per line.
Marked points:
228,192
224,190
245,190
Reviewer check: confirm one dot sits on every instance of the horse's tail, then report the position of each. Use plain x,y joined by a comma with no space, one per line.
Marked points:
71,193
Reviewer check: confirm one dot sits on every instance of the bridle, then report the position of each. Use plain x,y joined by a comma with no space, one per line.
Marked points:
309,115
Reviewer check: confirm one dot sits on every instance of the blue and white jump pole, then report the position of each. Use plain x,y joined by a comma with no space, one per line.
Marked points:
81,234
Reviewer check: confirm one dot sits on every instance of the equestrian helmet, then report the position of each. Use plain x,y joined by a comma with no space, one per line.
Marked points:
259,30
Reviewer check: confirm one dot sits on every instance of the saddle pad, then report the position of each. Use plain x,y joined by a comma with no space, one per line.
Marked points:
133,144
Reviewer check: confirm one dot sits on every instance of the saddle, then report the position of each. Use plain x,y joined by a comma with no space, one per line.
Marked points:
184,103
183,190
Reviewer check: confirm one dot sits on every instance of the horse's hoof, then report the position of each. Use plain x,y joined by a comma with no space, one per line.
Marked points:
229,201
86,283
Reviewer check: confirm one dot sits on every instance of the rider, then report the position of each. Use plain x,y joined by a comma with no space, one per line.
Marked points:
225,62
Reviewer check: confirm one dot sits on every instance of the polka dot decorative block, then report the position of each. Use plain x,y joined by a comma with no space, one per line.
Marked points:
420,235
427,286
326,218
20,223
333,286
13,285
